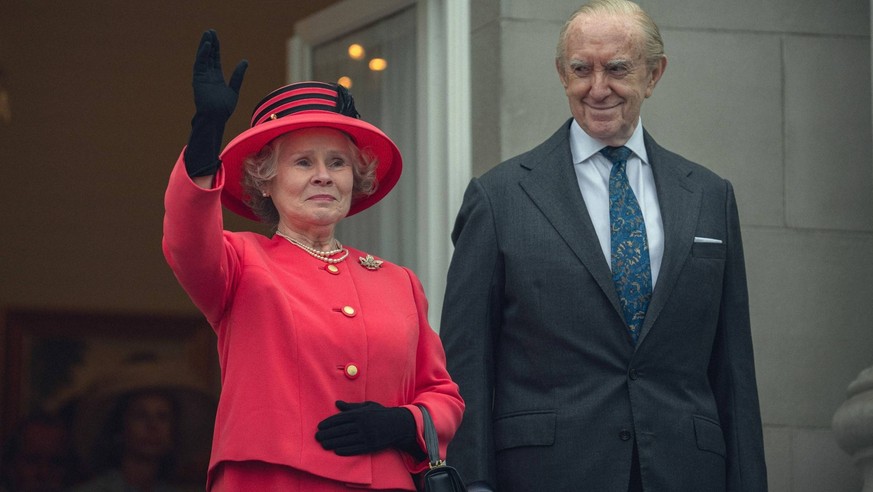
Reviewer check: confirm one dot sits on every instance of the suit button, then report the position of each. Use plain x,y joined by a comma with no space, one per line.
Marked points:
333,269
351,370
349,311
624,435
633,374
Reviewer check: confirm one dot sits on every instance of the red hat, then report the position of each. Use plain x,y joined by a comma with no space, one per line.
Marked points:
307,105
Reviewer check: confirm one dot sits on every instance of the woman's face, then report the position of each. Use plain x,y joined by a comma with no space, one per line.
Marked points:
148,426
314,178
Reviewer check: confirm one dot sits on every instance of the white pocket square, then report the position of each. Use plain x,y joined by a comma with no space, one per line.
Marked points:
708,240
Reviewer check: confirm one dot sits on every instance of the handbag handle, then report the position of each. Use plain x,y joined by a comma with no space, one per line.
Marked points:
431,440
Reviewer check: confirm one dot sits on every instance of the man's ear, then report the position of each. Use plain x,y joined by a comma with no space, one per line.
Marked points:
559,66
655,75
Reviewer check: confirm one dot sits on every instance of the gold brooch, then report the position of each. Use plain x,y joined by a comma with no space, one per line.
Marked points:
370,263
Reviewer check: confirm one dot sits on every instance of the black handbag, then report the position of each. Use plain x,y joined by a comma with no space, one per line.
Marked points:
440,477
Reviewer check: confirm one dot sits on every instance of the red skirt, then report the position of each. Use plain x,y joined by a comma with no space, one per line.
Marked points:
259,476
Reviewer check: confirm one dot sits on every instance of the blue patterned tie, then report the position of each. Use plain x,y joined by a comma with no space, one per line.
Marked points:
631,271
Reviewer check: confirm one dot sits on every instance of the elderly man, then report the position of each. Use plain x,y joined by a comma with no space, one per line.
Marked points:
596,316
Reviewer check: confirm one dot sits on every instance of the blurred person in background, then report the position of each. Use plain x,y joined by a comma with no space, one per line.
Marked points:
38,456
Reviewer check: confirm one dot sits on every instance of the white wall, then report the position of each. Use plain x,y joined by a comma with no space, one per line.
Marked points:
776,97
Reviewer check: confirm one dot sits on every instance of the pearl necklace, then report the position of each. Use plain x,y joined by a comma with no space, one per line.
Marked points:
324,256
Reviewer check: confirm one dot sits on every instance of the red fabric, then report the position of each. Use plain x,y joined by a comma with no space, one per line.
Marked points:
284,342
257,476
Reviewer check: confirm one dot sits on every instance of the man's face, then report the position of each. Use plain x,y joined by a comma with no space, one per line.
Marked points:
605,75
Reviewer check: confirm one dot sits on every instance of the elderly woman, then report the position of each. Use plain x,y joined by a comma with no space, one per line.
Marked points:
325,350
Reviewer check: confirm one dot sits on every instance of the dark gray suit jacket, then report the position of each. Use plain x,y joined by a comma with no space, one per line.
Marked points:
556,394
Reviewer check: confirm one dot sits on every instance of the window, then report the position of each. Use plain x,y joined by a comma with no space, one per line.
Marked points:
380,73
421,99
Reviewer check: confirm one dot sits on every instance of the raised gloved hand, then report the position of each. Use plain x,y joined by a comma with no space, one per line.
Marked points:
368,427
214,102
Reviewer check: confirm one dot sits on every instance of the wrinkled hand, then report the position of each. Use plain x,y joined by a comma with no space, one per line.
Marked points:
215,102
368,427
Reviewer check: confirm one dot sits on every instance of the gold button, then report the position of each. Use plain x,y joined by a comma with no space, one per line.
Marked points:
332,269
349,311
351,371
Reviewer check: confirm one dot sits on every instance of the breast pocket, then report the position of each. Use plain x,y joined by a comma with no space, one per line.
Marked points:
709,250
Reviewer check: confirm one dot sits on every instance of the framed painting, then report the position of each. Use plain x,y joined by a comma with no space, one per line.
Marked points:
49,357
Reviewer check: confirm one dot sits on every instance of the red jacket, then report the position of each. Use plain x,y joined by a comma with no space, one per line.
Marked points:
293,338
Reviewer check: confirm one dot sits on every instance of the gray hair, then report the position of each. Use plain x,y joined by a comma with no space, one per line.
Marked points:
653,45
260,168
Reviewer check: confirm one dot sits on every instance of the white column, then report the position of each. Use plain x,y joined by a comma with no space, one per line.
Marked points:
444,138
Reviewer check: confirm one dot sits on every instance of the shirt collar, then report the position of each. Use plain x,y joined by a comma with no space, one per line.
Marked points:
583,146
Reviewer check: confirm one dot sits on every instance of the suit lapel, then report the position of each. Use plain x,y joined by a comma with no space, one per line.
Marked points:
554,189
679,200
552,186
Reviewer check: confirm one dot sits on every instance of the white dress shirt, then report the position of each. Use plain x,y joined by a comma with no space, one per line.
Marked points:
592,173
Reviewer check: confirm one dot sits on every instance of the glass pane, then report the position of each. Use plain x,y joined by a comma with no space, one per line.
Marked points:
387,99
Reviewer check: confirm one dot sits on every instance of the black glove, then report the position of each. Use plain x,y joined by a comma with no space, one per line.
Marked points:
368,427
214,102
